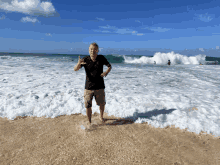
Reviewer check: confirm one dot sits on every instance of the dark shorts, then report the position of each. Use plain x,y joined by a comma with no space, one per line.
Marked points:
99,97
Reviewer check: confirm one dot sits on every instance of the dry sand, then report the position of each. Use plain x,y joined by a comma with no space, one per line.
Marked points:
61,140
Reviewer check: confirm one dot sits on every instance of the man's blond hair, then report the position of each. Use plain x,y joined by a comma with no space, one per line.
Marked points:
95,44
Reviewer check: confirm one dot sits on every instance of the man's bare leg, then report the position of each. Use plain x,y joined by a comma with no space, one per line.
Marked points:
89,113
101,108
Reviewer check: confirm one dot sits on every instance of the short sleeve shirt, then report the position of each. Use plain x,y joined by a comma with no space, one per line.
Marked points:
93,70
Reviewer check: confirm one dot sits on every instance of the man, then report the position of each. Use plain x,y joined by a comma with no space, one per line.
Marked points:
169,62
94,85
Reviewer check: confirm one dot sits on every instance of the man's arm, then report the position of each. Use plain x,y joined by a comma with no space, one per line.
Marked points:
108,70
77,67
104,74
105,62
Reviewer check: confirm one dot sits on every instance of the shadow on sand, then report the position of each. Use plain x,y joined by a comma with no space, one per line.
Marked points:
136,115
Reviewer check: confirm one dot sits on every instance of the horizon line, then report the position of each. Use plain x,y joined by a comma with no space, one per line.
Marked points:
2,53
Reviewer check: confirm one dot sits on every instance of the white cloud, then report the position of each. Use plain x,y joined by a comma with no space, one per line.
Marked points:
201,49
102,31
108,27
140,34
217,47
205,17
48,34
114,29
136,33
105,31
28,19
129,31
27,6
159,29
125,31
100,19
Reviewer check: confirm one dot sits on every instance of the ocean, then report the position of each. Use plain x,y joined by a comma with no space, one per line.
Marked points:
142,88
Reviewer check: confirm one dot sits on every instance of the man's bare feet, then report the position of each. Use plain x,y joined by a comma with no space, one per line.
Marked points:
101,119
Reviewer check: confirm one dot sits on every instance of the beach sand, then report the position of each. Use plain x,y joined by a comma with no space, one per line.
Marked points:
61,140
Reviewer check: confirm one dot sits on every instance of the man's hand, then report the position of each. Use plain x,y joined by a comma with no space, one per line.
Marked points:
107,71
104,74
81,61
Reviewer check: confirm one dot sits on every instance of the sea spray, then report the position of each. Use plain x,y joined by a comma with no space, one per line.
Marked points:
162,59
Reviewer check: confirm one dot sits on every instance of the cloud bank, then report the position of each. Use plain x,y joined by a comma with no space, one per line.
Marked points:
27,6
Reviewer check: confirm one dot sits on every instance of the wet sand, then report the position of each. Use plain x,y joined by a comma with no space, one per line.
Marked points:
61,140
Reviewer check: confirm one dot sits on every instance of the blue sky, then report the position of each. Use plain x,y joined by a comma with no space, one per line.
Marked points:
119,27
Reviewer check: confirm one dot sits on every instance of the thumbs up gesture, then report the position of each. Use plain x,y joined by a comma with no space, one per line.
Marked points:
81,61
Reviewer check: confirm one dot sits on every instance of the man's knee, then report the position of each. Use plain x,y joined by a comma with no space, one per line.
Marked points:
88,106
102,104
88,102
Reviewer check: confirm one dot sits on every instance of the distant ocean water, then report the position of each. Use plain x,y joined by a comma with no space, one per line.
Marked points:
142,88
158,58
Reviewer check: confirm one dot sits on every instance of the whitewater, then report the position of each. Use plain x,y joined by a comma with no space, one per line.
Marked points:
144,89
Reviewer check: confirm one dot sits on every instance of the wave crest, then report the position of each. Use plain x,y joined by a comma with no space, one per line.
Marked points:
162,59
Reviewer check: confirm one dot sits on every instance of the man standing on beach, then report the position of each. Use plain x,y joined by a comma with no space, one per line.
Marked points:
94,85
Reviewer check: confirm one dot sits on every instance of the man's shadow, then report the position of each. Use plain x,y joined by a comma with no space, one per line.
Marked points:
136,115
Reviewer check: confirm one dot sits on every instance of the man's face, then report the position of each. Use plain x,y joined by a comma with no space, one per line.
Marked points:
93,51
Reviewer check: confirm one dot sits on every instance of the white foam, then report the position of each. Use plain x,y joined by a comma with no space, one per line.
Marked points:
162,59
186,96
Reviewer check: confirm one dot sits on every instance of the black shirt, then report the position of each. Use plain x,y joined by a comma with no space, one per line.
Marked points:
93,71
